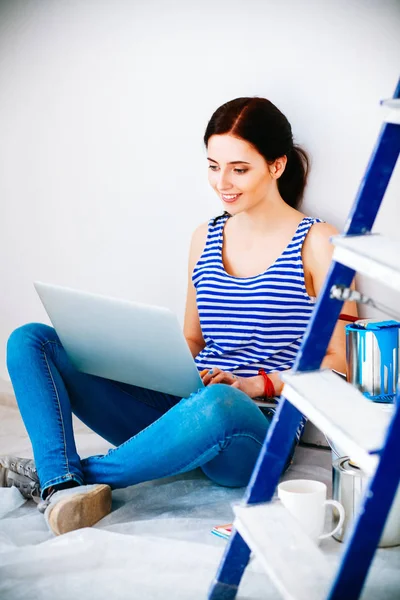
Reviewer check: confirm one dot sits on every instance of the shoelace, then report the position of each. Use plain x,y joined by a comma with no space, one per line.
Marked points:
43,504
23,468
37,499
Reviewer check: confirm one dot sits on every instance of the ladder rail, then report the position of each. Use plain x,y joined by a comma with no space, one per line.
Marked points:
234,561
323,320
273,454
372,189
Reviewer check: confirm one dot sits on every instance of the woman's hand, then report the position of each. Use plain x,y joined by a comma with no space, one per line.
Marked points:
252,386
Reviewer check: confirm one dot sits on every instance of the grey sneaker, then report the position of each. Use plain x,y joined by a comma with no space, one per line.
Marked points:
21,473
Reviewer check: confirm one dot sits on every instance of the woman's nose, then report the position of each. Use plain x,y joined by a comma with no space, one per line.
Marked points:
223,182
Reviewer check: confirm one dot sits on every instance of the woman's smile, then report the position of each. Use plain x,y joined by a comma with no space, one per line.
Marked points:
230,197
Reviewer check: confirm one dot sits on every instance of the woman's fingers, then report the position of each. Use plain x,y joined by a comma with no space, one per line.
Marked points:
210,375
221,378
216,375
225,377
203,374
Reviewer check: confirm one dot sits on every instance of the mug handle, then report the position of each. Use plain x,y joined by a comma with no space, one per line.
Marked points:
341,518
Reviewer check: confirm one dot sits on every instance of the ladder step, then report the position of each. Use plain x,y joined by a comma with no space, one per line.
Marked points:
391,103
393,106
295,565
343,414
370,254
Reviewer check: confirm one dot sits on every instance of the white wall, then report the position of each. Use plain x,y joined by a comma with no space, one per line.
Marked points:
102,110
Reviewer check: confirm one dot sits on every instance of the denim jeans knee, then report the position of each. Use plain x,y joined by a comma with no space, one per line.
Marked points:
29,333
223,400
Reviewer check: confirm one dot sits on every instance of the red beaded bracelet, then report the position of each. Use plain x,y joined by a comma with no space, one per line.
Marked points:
269,390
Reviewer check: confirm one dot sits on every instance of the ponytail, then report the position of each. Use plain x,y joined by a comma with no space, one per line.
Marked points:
293,180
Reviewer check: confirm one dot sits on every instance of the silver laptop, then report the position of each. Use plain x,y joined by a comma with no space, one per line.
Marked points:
123,340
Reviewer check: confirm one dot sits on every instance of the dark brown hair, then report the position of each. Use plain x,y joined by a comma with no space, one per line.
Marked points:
261,124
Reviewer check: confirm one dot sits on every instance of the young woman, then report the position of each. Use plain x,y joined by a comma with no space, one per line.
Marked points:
254,274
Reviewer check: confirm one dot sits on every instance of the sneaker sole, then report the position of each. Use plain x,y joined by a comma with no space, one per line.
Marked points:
80,510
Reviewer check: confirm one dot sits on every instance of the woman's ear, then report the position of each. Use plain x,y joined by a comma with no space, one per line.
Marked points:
278,167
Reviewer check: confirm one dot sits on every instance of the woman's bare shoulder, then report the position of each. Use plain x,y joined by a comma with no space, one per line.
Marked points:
320,233
199,238
201,229
317,247
199,235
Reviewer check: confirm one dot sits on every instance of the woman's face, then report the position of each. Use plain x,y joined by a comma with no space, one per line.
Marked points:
238,173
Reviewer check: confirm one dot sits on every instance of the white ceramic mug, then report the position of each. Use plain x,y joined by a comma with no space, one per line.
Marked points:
306,500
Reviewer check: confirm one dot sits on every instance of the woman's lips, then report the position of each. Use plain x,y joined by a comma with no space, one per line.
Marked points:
230,197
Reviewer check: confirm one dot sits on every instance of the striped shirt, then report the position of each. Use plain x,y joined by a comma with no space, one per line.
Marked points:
249,323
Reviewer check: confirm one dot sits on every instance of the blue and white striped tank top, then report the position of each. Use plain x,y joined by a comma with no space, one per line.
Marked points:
252,322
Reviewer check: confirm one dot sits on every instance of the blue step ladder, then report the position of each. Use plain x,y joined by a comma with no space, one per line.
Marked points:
295,565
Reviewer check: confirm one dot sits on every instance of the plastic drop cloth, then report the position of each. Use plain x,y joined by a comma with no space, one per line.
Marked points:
156,544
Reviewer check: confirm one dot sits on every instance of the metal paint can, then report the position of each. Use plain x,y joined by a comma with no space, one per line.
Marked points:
349,484
373,358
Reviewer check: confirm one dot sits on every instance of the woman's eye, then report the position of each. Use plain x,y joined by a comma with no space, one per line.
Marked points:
238,171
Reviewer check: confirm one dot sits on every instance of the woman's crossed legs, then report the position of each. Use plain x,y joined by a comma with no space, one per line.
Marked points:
218,428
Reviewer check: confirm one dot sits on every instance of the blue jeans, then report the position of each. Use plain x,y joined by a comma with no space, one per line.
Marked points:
218,428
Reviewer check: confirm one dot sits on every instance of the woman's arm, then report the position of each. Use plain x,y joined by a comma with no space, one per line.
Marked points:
191,328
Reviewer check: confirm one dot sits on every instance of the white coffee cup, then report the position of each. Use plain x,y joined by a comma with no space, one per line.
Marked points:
306,500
